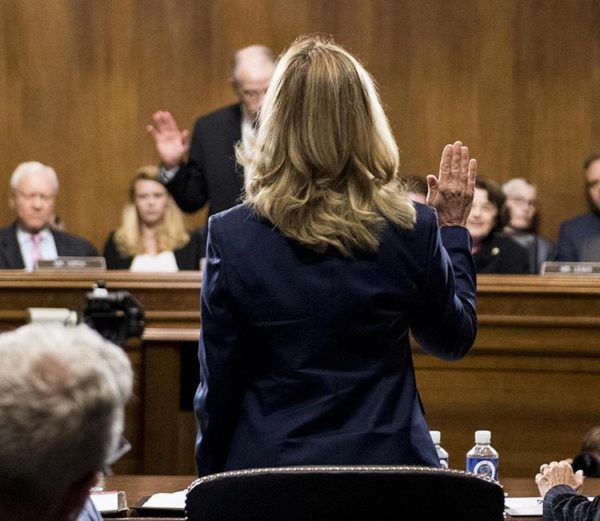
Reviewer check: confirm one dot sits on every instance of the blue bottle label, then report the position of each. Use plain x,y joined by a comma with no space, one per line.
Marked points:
483,466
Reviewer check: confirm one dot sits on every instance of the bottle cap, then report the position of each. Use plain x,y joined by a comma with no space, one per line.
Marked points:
435,437
483,437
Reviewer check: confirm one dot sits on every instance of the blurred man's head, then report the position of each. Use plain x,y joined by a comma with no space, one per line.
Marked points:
521,201
33,190
592,178
253,68
62,397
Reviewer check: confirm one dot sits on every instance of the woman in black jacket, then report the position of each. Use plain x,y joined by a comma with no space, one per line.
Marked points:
152,235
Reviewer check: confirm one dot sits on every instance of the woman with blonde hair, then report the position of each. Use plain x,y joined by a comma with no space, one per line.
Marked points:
312,284
152,235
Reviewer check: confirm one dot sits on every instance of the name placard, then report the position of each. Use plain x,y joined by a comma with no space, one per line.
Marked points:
72,263
571,268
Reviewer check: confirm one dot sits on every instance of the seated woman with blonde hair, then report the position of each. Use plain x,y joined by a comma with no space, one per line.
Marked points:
152,235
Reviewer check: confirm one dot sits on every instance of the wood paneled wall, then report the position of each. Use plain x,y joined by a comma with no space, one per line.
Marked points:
518,80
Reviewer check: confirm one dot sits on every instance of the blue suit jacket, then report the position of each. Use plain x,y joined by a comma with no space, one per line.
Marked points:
579,239
305,356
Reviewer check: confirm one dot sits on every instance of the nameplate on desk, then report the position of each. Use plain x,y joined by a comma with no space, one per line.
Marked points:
72,263
571,268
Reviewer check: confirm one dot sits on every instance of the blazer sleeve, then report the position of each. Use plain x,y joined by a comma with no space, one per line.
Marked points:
445,322
188,186
223,368
566,250
114,260
561,503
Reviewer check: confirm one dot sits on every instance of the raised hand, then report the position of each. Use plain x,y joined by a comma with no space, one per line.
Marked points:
451,193
172,144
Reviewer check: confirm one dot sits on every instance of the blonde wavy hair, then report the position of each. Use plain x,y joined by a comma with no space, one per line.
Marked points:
324,168
171,233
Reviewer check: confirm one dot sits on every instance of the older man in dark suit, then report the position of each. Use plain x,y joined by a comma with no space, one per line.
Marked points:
210,174
33,190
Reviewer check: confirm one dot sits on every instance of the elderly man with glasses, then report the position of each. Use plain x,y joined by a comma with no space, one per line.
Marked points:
204,169
63,392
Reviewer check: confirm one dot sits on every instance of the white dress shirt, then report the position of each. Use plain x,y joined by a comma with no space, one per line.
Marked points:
47,247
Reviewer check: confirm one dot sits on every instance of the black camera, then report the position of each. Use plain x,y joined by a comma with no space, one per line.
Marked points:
116,315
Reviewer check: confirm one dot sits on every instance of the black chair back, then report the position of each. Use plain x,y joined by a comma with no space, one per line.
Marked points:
348,493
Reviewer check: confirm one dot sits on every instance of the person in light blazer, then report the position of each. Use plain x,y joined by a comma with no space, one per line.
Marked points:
312,284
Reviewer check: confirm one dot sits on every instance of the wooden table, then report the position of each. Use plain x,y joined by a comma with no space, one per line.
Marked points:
532,378
138,487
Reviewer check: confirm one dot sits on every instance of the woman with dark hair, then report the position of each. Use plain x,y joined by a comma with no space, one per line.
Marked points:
311,286
588,459
493,251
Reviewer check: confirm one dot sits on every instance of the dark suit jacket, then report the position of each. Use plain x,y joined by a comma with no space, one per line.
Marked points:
211,173
579,239
187,257
562,503
66,245
500,253
305,356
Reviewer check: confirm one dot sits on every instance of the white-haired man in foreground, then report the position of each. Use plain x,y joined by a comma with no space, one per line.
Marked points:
62,397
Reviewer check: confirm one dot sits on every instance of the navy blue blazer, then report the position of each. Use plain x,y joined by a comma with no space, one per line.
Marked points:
579,239
67,245
211,173
305,356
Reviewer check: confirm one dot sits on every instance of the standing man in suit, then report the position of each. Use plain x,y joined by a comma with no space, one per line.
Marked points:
579,238
33,190
205,170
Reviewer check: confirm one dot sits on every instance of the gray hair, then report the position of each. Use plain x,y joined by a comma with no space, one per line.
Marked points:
515,184
254,56
62,397
30,167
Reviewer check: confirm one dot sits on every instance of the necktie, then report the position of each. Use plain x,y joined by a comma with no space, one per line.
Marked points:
36,252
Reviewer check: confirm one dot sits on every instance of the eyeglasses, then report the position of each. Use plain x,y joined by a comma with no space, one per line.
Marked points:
521,201
253,94
122,448
30,196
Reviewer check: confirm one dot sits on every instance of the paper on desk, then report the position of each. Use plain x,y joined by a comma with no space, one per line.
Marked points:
108,502
166,501
524,506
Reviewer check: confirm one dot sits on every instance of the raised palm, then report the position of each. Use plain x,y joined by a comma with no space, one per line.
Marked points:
172,144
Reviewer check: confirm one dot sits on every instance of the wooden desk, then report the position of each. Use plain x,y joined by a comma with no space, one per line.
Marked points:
162,436
138,487
532,378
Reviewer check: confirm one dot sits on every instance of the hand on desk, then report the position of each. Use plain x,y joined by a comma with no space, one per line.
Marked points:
558,473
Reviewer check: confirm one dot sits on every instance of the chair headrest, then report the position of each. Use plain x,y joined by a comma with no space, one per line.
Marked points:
345,493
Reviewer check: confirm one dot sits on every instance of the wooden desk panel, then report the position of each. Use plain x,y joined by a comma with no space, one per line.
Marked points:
533,376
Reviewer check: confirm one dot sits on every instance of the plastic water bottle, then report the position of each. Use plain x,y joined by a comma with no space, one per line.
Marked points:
442,454
482,459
